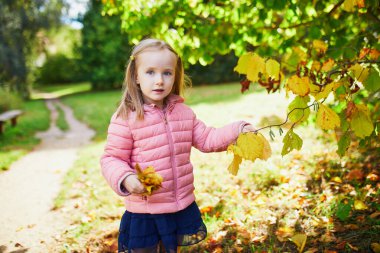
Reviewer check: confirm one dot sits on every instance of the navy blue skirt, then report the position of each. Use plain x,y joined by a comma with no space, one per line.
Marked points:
140,231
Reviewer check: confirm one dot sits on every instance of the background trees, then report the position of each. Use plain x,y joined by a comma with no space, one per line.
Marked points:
19,23
104,50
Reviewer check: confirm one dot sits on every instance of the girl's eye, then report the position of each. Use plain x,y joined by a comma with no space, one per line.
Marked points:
150,72
167,73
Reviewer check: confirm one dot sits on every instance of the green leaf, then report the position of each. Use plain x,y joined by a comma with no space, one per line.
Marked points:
340,91
299,115
344,124
372,83
291,141
361,122
349,53
343,209
315,32
343,144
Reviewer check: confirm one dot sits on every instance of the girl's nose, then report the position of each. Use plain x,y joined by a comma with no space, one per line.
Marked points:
159,79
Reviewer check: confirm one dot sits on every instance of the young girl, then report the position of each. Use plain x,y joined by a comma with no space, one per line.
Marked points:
153,127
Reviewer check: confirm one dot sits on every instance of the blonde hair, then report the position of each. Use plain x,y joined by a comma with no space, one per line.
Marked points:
132,98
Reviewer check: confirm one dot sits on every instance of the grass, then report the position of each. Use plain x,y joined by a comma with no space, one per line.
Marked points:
17,141
56,91
211,94
95,109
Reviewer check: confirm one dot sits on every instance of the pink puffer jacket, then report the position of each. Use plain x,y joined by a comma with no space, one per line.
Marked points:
162,140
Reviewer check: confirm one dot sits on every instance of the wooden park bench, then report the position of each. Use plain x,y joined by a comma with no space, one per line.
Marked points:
9,115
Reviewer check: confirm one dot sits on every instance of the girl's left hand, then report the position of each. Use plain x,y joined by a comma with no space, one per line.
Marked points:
248,128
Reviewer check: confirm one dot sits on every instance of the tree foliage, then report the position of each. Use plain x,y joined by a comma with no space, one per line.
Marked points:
19,23
58,69
104,48
310,48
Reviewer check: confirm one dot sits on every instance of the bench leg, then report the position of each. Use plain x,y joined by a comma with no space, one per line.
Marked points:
14,121
1,127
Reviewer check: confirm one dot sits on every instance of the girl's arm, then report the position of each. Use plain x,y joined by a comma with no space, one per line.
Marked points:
210,139
116,160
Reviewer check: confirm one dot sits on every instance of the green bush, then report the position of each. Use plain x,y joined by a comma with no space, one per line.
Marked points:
9,100
59,69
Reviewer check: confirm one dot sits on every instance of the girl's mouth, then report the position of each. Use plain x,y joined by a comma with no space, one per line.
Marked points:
158,90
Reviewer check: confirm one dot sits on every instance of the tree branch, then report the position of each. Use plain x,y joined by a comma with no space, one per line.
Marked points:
287,117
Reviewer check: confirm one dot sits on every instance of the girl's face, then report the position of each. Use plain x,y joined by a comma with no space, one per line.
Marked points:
156,74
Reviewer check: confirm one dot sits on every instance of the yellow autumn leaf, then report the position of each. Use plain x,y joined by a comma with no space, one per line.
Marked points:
291,141
267,151
336,180
361,122
149,178
300,53
300,241
272,68
234,166
359,205
299,85
319,45
248,146
314,89
316,66
298,109
327,118
243,63
256,66
349,5
251,65
360,72
328,65
325,91
284,233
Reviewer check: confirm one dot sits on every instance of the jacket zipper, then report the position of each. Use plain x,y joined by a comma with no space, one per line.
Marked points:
171,147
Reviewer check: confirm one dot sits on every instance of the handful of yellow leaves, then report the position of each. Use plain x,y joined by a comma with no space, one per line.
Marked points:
248,146
149,178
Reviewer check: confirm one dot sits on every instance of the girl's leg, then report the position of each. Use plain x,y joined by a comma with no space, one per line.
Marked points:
162,249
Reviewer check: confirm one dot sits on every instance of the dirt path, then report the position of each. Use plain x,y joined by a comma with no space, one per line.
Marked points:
28,189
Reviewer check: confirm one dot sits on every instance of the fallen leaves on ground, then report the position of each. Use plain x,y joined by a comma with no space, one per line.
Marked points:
300,241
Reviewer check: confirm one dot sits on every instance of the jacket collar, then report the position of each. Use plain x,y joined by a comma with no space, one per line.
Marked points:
171,100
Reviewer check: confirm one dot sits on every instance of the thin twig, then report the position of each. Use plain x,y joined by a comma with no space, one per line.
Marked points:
287,117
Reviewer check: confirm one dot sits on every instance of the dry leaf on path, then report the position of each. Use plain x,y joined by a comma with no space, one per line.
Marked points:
375,247
300,241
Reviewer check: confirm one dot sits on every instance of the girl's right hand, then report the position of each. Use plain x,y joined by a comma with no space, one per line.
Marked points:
133,184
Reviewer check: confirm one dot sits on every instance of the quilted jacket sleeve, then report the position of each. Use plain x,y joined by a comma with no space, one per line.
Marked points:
210,139
115,162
